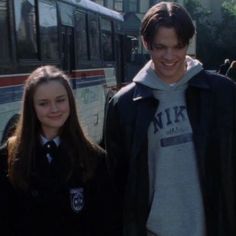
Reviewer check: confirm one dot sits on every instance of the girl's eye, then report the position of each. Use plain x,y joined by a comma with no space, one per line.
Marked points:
42,104
61,100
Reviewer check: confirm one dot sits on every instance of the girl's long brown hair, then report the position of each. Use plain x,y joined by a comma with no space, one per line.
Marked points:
21,146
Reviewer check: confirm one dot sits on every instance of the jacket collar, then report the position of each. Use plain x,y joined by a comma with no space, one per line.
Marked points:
142,91
198,81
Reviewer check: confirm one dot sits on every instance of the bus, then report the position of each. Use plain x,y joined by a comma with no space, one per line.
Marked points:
81,37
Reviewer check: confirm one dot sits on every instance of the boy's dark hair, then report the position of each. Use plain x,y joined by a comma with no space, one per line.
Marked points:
170,15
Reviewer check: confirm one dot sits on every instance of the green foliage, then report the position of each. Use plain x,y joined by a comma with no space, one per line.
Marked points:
226,30
215,40
229,9
205,30
197,11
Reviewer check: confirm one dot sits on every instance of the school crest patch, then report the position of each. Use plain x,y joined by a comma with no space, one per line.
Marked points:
77,199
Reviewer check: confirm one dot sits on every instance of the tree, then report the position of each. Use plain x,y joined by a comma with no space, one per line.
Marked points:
215,40
205,30
226,30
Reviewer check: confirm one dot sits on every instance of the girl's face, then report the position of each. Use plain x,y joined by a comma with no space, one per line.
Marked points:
51,104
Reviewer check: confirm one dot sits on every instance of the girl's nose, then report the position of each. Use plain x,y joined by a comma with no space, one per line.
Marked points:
54,107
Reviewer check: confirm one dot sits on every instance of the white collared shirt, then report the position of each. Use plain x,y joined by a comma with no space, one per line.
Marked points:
44,140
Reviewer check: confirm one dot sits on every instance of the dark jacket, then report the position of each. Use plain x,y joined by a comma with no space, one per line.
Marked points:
211,107
223,68
53,205
231,73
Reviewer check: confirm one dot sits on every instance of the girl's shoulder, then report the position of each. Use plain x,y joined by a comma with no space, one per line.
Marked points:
100,159
101,173
3,160
5,149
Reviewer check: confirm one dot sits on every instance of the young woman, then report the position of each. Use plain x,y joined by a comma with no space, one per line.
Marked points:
52,178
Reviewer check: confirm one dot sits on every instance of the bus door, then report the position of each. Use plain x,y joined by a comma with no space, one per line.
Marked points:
119,59
67,49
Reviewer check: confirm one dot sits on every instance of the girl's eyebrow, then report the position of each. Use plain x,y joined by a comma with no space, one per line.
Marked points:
61,96
46,99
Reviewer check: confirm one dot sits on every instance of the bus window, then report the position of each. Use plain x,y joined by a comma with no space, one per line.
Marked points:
4,45
26,29
66,14
106,40
81,37
93,37
48,29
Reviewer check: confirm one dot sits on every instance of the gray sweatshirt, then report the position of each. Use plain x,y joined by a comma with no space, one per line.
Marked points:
176,207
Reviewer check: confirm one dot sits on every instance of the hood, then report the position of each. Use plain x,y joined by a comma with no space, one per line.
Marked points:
148,77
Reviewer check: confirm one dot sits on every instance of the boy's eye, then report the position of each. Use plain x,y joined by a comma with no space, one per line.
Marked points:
180,46
157,47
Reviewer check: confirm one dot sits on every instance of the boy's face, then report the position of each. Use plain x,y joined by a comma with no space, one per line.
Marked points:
168,55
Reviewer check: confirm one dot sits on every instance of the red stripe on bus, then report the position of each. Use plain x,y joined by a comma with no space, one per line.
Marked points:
12,80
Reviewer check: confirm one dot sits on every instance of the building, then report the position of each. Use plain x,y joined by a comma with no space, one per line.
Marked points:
133,12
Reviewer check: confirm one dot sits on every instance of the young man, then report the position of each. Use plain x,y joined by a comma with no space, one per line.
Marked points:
170,138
